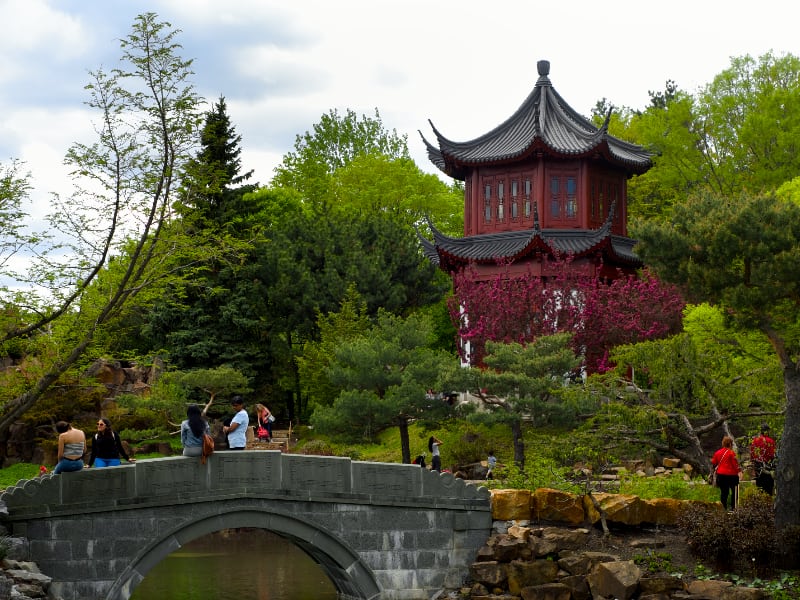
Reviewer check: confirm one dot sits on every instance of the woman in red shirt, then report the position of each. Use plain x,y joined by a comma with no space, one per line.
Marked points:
728,470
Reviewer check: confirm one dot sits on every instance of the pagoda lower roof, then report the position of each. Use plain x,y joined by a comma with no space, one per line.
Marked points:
543,124
490,248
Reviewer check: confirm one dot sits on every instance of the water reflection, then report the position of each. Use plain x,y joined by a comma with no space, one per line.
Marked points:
243,564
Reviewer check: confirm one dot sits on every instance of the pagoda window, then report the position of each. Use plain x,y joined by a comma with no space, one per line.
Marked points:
514,196
563,197
555,198
528,188
487,203
572,199
592,201
500,200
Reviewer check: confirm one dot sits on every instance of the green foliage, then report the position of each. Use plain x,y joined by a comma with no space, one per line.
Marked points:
335,328
334,143
672,486
317,448
12,474
519,384
657,562
383,375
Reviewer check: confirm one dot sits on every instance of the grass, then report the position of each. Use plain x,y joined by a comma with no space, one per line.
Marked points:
11,475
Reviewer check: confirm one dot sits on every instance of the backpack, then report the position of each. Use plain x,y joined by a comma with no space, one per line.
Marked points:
208,448
420,460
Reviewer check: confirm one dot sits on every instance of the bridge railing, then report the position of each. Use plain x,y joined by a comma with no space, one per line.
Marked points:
238,474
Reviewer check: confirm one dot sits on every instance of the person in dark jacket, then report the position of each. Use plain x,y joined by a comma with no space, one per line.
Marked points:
107,447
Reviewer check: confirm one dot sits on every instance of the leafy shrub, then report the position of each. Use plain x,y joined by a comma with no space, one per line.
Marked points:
706,530
744,539
317,448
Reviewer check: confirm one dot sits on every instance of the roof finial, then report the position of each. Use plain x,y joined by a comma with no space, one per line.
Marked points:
543,66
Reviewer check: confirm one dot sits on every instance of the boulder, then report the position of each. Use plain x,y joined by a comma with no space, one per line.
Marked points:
511,505
714,589
523,574
619,579
490,574
554,505
618,508
547,591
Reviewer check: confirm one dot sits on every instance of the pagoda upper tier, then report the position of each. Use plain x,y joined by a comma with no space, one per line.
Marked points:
543,125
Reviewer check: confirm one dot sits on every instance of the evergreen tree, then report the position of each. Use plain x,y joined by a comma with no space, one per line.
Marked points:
213,186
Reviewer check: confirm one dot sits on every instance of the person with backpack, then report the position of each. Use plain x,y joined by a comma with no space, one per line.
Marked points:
107,447
762,454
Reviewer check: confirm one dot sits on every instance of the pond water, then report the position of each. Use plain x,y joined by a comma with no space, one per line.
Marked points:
246,564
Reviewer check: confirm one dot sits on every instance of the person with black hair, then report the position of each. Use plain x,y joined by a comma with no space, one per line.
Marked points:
107,447
436,459
71,448
192,430
236,429
762,454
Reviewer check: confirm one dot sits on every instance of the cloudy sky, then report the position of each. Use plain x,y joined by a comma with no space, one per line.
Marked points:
464,64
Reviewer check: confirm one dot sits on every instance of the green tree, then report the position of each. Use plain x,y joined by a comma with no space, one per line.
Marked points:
213,186
335,328
214,382
375,183
14,189
148,116
384,376
518,383
737,133
743,254
334,142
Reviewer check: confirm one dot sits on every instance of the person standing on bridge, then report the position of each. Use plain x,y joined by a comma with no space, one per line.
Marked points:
71,448
192,430
107,447
436,459
237,430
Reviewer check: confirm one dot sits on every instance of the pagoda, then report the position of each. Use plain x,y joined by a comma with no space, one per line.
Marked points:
546,183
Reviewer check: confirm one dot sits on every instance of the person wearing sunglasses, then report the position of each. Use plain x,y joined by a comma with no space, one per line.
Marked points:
107,447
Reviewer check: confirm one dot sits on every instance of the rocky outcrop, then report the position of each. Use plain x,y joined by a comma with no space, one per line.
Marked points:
553,563
21,579
549,505
557,561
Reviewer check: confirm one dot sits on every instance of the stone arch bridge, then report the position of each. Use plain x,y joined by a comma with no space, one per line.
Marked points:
378,530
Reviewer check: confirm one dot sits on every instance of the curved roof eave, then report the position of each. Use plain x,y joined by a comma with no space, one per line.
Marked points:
544,118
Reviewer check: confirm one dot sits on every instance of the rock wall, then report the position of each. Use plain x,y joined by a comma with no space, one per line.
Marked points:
560,562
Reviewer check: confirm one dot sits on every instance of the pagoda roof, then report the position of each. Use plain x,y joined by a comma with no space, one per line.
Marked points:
450,253
544,123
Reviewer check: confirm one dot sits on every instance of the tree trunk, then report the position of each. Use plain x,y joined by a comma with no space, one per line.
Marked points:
787,475
519,445
405,445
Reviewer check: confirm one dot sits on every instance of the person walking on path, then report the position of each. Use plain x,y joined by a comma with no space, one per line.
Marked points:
728,472
436,459
491,462
762,454
192,430
237,429
107,447
264,421
71,448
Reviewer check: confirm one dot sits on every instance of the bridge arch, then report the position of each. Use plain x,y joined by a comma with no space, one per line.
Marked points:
380,531
343,566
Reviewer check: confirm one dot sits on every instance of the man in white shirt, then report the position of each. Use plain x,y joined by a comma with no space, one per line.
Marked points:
237,430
